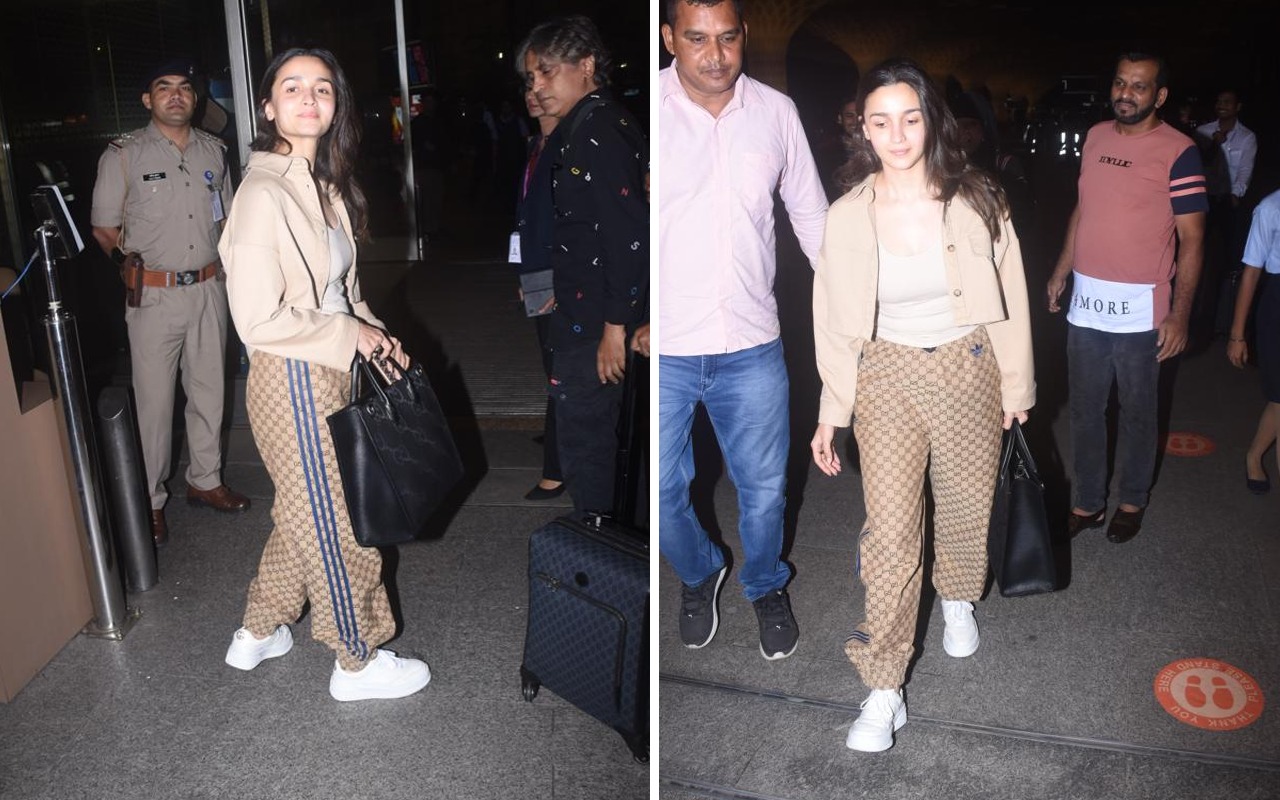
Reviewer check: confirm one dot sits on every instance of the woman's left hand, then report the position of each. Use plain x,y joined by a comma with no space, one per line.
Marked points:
823,448
1010,416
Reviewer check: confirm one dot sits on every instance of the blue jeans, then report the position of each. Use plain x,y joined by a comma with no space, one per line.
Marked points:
1095,359
745,394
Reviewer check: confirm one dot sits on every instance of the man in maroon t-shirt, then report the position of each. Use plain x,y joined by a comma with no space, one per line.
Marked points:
1134,248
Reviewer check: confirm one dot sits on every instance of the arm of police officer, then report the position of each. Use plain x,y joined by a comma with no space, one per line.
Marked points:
1172,336
109,240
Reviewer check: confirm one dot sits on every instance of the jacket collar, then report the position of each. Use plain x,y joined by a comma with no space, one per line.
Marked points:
277,163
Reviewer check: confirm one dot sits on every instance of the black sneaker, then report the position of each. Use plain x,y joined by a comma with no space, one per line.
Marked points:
698,615
778,631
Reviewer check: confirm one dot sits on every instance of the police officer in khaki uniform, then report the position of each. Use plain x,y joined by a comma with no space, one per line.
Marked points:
158,207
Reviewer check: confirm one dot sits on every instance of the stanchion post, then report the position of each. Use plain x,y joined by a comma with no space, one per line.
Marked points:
112,619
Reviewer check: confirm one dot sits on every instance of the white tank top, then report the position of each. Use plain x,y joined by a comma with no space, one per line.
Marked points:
915,300
340,259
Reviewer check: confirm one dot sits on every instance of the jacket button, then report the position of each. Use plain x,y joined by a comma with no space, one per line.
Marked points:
957,292
951,248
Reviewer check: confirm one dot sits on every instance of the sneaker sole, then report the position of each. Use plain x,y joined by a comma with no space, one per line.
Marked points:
865,744
715,611
778,656
343,695
963,650
249,663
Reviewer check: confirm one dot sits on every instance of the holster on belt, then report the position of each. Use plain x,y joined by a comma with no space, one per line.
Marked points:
131,271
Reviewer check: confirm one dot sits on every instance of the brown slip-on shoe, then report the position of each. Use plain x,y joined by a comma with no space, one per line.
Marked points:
159,528
219,498
1124,525
1083,522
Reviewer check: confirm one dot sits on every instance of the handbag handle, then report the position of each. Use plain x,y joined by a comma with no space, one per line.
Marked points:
1016,441
360,365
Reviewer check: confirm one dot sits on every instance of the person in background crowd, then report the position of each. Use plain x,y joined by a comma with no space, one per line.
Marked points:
981,142
535,221
1229,150
158,207
1141,185
292,279
923,336
728,143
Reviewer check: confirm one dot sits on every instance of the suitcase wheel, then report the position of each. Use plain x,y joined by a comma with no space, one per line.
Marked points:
529,685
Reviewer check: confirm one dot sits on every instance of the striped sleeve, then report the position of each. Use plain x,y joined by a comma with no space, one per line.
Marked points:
1187,184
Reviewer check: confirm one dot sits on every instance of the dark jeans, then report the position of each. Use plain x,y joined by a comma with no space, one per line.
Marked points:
1095,359
586,426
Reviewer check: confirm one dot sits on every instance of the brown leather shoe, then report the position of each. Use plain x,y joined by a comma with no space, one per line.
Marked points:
159,528
219,498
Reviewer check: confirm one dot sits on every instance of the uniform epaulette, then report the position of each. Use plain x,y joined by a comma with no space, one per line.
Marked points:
120,141
209,137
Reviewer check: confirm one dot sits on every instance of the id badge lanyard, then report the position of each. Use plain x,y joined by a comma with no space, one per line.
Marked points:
215,197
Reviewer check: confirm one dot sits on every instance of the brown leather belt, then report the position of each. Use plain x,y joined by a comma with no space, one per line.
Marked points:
161,278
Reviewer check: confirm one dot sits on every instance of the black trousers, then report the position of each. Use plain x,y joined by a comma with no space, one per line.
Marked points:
550,447
586,425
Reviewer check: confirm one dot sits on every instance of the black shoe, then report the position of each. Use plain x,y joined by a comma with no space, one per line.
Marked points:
1124,525
1083,522
539,493
698,615
1257,487
778,631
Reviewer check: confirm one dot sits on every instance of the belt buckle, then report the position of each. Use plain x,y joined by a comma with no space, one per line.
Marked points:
184,278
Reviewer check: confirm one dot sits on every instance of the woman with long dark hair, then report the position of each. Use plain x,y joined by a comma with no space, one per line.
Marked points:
923,341
289,250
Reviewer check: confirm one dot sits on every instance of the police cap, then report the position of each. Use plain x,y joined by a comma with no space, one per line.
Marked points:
174,66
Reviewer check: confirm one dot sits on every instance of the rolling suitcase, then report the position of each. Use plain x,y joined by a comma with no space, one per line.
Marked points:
587,637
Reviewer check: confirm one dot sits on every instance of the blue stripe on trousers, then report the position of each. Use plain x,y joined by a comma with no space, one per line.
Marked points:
320,496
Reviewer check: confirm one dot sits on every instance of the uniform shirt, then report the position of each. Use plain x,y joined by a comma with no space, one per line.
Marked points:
1263,248
1130,190
716,241
168,202
1240,147
600,250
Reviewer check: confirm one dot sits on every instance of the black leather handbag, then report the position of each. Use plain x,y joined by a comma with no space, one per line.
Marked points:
395,453
1018,542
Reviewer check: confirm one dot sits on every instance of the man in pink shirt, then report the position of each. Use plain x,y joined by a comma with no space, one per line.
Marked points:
728,144
1134,248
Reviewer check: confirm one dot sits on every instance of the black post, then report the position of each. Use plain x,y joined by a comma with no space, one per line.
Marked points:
126,486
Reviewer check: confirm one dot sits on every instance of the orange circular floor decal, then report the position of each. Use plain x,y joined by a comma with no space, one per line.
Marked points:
1209,694
1181,443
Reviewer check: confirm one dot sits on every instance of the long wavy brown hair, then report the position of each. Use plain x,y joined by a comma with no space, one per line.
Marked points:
337,150
947,167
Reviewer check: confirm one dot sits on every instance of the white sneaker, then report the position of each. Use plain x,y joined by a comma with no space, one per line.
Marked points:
960,637
883,712
247,651
385,676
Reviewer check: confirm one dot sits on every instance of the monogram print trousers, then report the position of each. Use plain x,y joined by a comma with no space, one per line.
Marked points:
311,554
918,412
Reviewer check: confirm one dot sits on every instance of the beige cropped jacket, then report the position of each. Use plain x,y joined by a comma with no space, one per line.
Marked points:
275,250
986,280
